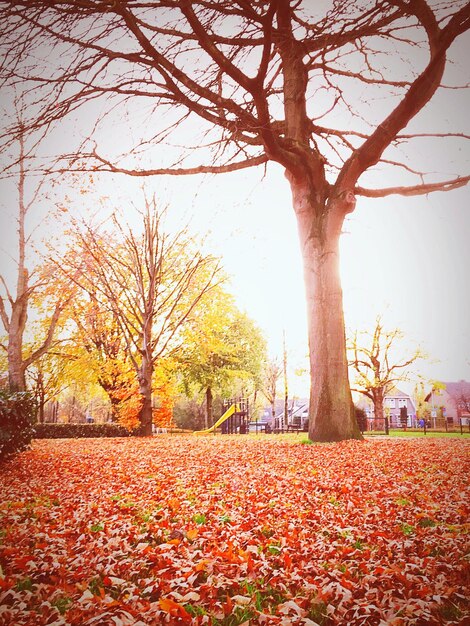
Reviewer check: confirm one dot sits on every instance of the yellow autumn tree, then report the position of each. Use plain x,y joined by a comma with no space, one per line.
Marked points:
142,285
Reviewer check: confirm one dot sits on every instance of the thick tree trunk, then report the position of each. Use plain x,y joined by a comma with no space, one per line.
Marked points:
331,413
16,373
379,417
115,402
115,394
146,416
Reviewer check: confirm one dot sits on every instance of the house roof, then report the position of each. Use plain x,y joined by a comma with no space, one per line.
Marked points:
396,393
364,402
458,389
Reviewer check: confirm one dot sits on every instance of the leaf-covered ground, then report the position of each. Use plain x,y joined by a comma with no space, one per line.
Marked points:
235,530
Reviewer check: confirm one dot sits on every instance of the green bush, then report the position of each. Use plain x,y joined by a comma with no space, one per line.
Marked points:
17,411
361,418
77,431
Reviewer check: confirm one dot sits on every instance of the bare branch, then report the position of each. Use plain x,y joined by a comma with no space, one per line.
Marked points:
417,96
414,190
107,166
4,316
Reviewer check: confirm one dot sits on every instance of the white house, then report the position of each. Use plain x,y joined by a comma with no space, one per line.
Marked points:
397,405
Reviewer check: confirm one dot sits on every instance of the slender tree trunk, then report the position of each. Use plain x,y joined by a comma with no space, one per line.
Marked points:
42,402
19,307
331,413
15,326
41,398
209,407
145,387
286,386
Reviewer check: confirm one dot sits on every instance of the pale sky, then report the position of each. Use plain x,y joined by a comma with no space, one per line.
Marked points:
405,258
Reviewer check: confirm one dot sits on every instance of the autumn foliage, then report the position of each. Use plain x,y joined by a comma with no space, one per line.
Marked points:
228,531
129,407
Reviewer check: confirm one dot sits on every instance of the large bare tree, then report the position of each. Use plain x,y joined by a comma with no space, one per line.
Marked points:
269,81
376,366
272,375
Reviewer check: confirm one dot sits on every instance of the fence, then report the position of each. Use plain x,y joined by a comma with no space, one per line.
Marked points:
372,425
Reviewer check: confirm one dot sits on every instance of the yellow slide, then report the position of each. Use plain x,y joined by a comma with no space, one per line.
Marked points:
228,413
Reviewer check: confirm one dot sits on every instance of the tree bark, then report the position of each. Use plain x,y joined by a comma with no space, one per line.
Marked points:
16,372
114,391
209,407
19,306
331,412
145,388
379,416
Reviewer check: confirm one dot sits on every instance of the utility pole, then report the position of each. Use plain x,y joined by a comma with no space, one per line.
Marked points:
286,387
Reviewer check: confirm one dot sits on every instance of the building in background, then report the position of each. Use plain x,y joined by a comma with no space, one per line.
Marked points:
453,402
398,406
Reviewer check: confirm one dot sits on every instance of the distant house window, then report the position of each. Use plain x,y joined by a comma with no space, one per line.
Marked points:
402,402
390,402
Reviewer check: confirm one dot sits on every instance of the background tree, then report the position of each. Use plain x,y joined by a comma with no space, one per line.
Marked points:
48,377
16,301
272,373
463,398
190,412
102,346
269,81
376,366
150,283
222,346
423,410
165,393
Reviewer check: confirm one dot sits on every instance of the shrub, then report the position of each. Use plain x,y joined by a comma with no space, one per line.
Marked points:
361,418
78,431
17,411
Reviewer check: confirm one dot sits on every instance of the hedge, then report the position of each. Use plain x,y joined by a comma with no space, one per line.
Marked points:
77,431
361,418
17,411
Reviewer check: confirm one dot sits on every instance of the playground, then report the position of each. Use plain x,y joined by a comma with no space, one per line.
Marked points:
236,420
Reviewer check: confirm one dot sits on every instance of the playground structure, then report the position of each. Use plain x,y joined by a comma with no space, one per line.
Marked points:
238,422
234,420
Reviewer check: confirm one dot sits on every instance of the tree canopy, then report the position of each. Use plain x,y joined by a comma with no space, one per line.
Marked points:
258,77
223,345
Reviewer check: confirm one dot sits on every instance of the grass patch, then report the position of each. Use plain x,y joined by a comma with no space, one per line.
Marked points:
429,433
